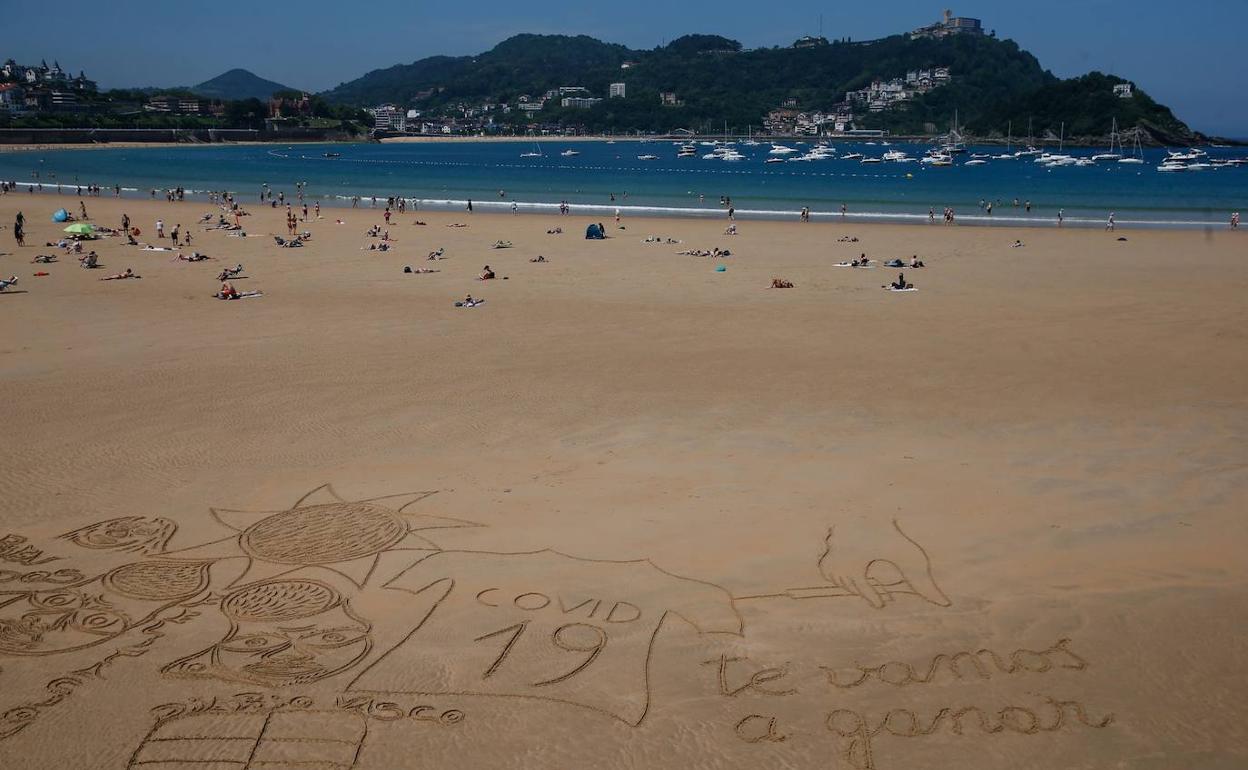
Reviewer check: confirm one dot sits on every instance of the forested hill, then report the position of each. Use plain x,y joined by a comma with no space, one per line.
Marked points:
994,83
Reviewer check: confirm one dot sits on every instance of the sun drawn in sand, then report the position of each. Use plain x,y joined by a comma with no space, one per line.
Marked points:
321,530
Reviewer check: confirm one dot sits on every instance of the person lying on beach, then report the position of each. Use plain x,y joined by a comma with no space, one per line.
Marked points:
1019,244
123,275
780,283
130,241
435,255
538,258
419,270
501,245
556,231
205,219
915,262
229,292
7,282
846,239
486,274
899,284
468,301
90,260
732,230
418,222
377,247
194,256
862,261
292,243
230,272
894,262
43,259
457,224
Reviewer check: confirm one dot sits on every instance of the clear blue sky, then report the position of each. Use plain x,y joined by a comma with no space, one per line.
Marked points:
1189,56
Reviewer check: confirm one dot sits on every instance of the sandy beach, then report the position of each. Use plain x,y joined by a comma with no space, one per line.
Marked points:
632,511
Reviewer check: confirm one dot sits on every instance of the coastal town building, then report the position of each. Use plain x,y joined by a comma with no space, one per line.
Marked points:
1123,91
173,104
616,91
949,25
886,94
668,99
387,117
43,75
579,102
290,106
12,98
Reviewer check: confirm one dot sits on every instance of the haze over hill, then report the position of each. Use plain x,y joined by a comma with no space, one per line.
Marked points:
715,82
238,84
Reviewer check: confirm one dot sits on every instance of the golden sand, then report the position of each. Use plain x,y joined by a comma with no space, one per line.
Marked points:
630,512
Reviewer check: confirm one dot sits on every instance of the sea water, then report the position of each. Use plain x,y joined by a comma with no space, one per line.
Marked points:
605,176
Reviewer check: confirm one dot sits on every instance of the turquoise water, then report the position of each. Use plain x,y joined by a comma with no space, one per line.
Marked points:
445,175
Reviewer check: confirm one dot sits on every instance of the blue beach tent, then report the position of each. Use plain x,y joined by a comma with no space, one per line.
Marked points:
594,233
60,215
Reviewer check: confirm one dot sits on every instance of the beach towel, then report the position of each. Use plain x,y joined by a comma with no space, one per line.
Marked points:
474,303
890,288
156,248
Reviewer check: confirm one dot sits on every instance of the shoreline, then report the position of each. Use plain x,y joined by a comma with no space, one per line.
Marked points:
603,211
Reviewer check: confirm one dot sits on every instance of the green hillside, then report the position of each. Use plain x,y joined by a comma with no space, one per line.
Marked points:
719,85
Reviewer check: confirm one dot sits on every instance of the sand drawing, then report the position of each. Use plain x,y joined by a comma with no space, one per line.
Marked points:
545,626
282,632
75,618
18,718
135,534
858,732
321,530
900,674
874,572
250,737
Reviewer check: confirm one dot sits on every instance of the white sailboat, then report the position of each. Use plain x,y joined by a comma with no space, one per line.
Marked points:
1113,137
1137,154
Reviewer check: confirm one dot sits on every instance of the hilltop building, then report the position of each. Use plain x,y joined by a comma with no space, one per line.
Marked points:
810,41
1123,91
616,91
579,102
949,25
45,76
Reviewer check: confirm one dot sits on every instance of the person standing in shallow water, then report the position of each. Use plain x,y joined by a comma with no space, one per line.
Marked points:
470,205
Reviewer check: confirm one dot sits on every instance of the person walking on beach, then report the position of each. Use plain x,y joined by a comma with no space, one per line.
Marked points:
1059,217
516,210
470,205
160,228
844,208
1235,221
1110,224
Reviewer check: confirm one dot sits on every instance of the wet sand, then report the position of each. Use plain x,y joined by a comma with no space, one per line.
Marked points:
678,519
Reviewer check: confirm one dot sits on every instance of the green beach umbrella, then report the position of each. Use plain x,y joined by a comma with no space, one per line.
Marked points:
80,228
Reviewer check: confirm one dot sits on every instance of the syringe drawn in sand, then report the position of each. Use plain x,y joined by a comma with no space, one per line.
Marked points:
874,571
321,530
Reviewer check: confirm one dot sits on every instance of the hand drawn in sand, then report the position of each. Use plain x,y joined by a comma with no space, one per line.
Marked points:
282,632
134,534
874,569
323,531
542,625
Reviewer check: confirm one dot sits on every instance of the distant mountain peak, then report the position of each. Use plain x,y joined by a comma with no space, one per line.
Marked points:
237,84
